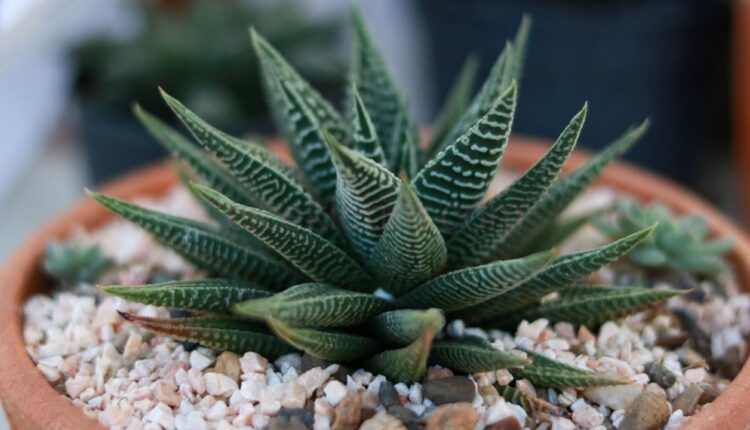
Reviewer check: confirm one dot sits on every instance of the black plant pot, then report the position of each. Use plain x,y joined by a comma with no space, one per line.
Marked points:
665,59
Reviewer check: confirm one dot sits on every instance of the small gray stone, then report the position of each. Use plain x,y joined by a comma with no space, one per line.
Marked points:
660,375
405,415
388,394
294,419
450,390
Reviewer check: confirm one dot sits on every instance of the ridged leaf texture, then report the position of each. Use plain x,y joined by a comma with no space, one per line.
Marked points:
404,326
366,193
275,188
561,273
210,295
546,372
311,254
532,405
328,345
223,333
329,307
376,87
364,137
455,181
456,102
411,249
561,194
593,306
473,355
477,240
407,364
203,246
466,287
309,153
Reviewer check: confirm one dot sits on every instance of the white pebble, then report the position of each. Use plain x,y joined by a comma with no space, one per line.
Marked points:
162,415
218,384
559,423
335,391
199,361
497,412
588,417
695,376
253,363
253,386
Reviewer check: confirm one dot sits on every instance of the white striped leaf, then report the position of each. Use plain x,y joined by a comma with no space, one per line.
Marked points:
473,355
366,193
477,240
561,273
592,306
404,326
407,364
546,372
205,247
455,181
272,186
411,249
222,333
560,195
210,295
331,307
467,287
214,175
311,254
375,84
364,137
455,103
408,155
328,345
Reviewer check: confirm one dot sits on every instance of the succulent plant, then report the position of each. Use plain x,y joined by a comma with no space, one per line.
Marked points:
72,262
678,243
362,252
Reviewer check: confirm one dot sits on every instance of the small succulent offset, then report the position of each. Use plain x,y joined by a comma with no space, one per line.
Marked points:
361,253
71,263
678,243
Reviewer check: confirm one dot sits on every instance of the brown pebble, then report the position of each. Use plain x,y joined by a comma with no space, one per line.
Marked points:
453,416
507,423
368,413
382,421
672,340
228,363
649,411
450,390
489,394
710,393
348,413
438,373
688,399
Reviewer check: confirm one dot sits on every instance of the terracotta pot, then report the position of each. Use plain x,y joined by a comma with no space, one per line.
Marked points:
31,403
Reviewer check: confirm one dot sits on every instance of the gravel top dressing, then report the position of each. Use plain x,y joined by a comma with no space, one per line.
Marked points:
678,358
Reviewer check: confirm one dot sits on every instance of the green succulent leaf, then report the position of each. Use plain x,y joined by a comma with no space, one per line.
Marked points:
456,102
560,231
308,144
311,254
407,364
329,307
560,274
404,326
223,333
546,372
407,160
203,246
308,152
325,344
214,175
455,181
364,137
272,185
594,306
366,193
411,249
376,86
472,355
560,195
477,240
500,77
532,405
467,287
210,295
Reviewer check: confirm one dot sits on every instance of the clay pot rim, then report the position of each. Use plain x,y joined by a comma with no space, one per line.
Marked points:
31,403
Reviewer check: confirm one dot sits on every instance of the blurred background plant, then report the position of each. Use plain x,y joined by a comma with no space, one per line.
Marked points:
200,51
